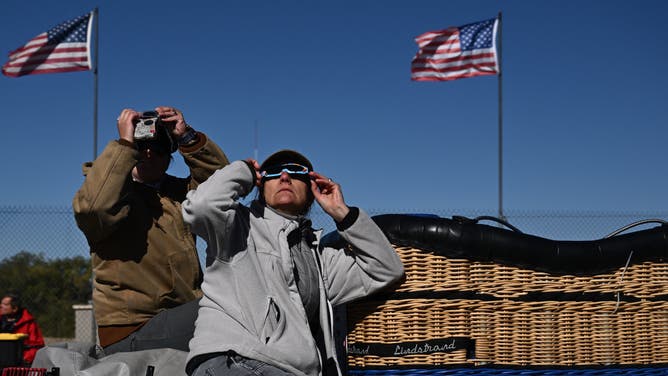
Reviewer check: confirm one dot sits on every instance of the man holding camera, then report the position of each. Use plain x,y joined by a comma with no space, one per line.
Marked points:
147,274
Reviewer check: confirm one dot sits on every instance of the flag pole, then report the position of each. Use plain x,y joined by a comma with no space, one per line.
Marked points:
97,24
255,140
500,80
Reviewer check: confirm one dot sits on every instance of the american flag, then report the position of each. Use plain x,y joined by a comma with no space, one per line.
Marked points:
64,48
456,52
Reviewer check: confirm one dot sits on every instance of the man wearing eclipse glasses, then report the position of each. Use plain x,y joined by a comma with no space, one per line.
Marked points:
269,293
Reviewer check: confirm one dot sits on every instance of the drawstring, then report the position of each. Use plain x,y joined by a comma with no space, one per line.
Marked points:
621,278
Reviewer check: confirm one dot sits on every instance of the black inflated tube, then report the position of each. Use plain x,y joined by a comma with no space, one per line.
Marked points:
478,242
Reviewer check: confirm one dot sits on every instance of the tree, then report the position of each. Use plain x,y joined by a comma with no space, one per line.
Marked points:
48,288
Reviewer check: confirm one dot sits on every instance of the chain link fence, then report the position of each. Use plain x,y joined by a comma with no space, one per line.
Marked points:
38,238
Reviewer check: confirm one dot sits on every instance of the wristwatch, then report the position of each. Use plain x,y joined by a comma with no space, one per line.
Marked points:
188,138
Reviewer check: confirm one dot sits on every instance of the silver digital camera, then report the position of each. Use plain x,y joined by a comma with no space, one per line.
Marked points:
145,130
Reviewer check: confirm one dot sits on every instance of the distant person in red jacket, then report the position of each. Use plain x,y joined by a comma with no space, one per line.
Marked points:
16,319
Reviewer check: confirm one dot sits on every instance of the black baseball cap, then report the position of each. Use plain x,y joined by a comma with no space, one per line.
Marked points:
286,156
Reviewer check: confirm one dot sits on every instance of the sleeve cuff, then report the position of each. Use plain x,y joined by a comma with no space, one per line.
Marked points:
125,142
349,219
252,171
201,140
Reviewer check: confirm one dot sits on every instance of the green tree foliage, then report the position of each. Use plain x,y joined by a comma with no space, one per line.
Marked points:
48,288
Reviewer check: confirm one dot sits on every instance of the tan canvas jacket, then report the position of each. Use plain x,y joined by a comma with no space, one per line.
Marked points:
143,255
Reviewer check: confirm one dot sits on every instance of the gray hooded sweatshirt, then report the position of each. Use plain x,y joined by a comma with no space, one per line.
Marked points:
251,304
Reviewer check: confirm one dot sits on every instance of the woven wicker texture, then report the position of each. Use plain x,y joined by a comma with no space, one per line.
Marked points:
479,371
510,329
426,271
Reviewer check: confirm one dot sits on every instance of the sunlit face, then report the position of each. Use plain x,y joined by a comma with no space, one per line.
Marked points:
6,306
287,194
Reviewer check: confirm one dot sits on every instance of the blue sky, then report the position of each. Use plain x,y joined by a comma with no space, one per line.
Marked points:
584,98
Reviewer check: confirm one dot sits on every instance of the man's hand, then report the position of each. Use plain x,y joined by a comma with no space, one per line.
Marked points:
126,124
173,120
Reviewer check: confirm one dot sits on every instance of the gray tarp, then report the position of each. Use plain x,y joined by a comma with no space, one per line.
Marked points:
87,359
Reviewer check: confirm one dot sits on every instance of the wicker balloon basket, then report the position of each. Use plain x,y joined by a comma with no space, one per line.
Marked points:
456,312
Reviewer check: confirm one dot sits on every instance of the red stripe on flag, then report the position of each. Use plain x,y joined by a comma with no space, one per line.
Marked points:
457,68
46,50
53,70
428,59
451,77
37,62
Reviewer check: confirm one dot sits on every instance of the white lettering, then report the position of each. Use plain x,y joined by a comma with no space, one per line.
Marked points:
354,350
424,348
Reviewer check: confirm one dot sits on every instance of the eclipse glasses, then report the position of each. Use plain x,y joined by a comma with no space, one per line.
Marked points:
296,171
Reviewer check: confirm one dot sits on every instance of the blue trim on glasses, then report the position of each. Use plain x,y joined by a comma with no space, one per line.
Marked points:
293,169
